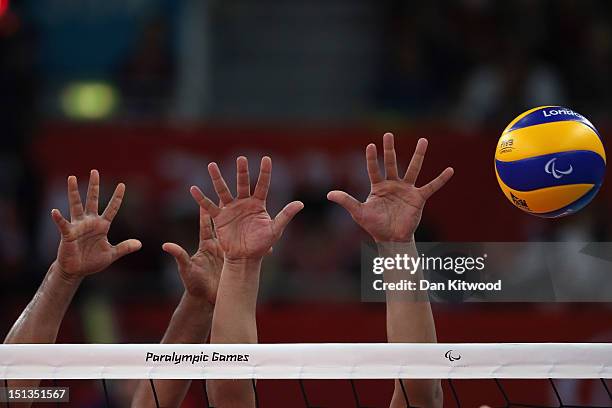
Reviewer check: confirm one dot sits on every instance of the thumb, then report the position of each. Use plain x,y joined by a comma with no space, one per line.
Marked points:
180,255
347,201
62,225
126,247
286,215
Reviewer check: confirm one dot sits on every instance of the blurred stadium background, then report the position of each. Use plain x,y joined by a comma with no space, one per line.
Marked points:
149,91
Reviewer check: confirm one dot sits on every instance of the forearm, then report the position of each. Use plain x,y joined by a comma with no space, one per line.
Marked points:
190,323
234,318
409,316
234,322
42,317
410,320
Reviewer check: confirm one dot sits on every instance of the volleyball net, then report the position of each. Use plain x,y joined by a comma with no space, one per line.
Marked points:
476,374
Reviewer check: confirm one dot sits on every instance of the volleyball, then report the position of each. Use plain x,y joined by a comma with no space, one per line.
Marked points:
550,161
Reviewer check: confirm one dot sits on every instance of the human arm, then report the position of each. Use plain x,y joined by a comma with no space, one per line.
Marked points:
192,318
391,215
83,250
246,233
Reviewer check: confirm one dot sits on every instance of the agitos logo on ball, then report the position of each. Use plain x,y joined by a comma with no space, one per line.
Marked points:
550,161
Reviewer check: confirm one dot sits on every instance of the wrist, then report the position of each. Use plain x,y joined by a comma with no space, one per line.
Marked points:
70,279
238,263
395,247
396,242
198,303
241,268
406,240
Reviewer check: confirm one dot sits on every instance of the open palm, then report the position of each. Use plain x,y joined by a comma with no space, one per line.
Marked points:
84,248
244,227
393,209
200,273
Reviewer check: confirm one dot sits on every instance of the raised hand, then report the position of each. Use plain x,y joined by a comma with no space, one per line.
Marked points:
84,248
200,273
192,318
243,226
393,209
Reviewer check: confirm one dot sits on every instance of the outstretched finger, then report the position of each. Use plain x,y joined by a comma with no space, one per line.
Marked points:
347,201
372,164
93,193
219,183
180,256
414,168
126,247
115,203
204,201
74,199
243,189
206,226
286,215
434,185
389,156
263,181
62,225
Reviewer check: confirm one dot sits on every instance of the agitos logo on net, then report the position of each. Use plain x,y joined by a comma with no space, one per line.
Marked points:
452,356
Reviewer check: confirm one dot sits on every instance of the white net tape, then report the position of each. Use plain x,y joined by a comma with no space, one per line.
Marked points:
306,361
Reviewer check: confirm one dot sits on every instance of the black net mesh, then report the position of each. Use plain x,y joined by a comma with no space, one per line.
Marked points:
490,393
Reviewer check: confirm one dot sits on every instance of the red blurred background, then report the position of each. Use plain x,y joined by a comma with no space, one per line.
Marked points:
150,92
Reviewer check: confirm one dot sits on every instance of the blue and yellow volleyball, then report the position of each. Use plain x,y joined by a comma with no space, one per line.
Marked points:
550,161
